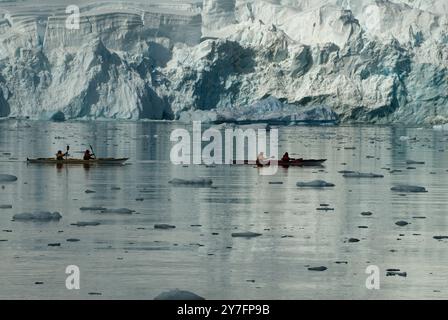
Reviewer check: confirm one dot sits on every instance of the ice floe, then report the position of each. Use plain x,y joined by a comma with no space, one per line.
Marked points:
315,184
408,188
92,208
414,162
86,223
321,268
247,234
191,182
362,175
37,216
164,226
7,178
118,211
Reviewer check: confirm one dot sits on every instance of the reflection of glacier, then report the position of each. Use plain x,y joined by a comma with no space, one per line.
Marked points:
357,60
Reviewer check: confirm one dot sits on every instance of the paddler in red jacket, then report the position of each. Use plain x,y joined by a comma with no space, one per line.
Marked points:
286,157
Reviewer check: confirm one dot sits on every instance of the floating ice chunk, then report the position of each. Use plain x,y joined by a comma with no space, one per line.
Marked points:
86,223
414,162
164,226
362,175
56,244
440,237
247,234
177,294
7,178
321,268
396,272
325,209
119,211
92,209
37,216
192,182
408,188
315,184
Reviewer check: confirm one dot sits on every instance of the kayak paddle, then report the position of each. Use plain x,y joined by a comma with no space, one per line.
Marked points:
91,148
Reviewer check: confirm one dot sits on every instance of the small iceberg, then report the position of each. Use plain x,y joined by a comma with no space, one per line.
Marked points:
414,162
92,208
7,178
362,175
247,234
118,211
315,184
177,294
408,188
37,216
86,223
191,182
164,226
321,268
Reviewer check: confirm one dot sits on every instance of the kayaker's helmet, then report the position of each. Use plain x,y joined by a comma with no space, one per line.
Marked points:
59,151
87,151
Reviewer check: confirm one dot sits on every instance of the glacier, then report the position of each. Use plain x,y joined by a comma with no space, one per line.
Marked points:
294,61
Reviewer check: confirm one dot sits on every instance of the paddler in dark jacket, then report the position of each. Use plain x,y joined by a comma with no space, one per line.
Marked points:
60,155
88,155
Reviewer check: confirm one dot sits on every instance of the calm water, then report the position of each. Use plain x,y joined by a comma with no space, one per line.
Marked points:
125,257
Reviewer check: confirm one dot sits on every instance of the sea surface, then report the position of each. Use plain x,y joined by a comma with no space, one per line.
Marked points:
125,257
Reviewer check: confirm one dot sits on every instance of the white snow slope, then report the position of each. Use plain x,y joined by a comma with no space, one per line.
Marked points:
375,61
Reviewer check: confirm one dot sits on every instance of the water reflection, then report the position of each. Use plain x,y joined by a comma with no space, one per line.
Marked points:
125,257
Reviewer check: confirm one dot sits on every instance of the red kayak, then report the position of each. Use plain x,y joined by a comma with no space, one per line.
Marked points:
291,163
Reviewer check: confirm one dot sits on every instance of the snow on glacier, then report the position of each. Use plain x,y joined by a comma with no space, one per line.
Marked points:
227,60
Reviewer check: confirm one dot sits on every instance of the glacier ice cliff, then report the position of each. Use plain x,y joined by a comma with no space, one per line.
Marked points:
375,61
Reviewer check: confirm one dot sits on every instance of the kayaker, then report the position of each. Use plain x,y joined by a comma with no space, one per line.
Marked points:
60,155
286,157
88,155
